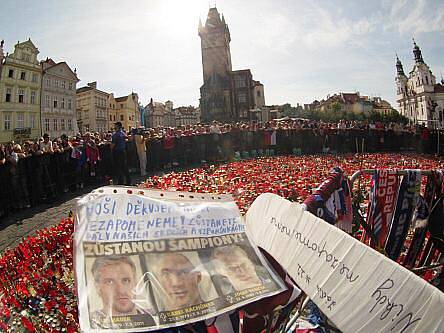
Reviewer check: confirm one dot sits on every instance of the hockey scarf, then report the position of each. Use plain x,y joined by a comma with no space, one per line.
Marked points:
384,191
432,191
331,201
345,213
407,200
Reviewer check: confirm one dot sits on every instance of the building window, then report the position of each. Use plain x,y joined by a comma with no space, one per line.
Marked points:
70,86
258,93
110,117
242,97
62,124
34,77
63,103
63,84
23,76
48,82
11,73
20,120
8,95
21,96
32,97
27,58
55,103
48,101
7,121
54,124
69,104
239,82
70,124
56,82
47,129
121,117
32,120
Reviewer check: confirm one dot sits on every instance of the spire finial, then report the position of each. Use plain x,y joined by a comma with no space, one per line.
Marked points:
399,68
2,43
417,53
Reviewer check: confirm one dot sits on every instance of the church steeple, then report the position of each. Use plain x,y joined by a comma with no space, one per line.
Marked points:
2,55
417,53
1,49
399,68
215,45
200,25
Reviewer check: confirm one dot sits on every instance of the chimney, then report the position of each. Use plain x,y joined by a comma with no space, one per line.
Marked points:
93,85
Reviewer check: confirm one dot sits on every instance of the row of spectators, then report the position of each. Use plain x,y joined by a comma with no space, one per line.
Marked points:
35,171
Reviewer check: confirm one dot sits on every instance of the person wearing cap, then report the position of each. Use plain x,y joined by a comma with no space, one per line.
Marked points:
118,147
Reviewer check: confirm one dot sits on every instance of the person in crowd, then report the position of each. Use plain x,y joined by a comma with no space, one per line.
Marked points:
92,153
140,141
115,282
169,141
4,179
46,144
18,175
118,147
179,280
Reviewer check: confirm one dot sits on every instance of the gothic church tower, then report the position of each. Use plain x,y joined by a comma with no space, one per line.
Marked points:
215,44
215,102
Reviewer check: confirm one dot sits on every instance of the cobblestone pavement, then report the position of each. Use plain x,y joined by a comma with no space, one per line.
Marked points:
13,228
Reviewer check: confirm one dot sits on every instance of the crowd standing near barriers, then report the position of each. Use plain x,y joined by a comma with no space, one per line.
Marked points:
32,172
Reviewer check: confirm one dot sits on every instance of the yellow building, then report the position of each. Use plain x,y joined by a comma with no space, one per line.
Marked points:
112,112
20,83
92,111
127,111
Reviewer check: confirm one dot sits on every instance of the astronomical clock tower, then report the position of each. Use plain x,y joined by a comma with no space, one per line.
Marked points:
215,93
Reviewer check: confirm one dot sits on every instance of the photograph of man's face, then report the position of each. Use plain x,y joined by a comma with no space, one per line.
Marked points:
179,279
234,264
114,281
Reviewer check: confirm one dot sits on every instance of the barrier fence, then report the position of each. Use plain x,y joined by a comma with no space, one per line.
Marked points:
37,178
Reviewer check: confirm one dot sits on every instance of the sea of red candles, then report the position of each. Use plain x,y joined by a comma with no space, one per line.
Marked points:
37,291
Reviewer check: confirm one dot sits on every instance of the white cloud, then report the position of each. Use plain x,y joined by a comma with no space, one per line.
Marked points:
416,16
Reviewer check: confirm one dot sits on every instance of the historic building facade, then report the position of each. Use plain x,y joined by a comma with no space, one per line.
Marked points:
92,111
225,95
159,114
58,107
154,114
419,97
127,111
20,93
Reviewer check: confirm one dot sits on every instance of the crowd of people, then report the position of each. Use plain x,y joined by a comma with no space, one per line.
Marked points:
36,171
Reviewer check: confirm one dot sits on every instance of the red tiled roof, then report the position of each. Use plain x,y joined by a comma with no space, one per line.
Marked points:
350,97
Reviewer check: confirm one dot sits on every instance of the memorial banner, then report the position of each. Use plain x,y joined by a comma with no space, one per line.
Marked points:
383,202
146,260
357,288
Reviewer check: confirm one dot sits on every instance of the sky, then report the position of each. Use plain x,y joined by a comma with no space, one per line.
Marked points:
301,50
